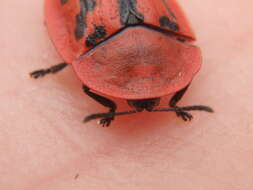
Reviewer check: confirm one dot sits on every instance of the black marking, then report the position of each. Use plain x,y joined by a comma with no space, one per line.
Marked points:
85,7
89,4
99,33
166,22
151,27
64,2
144,104
128,13
169,10
180,39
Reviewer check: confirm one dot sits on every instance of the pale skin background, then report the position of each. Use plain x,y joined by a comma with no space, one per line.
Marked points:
44,144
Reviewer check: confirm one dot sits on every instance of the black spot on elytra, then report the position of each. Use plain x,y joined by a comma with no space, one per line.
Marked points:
85,7
169,9
181,40
89,4
63,1
98,34
128,12
166,22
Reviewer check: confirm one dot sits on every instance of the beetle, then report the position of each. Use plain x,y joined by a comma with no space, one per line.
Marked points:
137,50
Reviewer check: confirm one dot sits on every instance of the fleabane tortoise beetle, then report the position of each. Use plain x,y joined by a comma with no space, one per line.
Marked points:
137,50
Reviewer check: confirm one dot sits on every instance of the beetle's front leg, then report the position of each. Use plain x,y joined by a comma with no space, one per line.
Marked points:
173,103
105,122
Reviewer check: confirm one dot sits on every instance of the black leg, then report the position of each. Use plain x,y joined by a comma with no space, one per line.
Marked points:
173,103
105,122
42,72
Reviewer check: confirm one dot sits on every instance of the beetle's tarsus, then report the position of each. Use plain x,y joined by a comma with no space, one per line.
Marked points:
105,122
184,115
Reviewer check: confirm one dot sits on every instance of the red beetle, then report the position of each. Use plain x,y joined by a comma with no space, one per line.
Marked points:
136,50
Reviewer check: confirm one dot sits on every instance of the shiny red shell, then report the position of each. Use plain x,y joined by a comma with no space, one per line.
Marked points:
125,48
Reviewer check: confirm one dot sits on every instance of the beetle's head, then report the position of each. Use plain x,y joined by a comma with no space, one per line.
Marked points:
145,104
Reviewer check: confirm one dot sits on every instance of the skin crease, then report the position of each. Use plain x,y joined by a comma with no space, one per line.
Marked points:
44,144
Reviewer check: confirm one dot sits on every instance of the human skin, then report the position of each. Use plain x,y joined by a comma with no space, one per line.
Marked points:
45,145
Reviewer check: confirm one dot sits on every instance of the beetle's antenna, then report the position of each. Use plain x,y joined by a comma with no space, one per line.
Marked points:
112,114
107,114
186,108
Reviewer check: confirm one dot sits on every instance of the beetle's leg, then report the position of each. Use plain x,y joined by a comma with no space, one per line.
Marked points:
105,122
173,103
42,72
